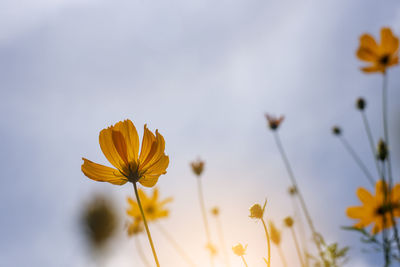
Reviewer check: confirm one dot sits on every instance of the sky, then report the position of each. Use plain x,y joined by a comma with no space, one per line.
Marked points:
203,73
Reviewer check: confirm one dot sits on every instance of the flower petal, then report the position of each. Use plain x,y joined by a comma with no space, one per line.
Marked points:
102,173
149,180
367,54
147,143
367,41
120,145
109,150
389,42
374,68
155,154
366,198
131,138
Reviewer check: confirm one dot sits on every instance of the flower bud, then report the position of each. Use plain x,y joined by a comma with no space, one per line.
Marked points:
336,130
288,221
360,103
382,150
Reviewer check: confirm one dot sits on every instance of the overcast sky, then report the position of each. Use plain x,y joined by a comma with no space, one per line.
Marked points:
203,73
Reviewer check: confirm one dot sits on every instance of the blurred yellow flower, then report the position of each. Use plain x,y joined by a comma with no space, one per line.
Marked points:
239,249
153,208
381,56
215,211
197,167
374,208
120,145
274,122
135,227
275,234
212,249
288,221
256,212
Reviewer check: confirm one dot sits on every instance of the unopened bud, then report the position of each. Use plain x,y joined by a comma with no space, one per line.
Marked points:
361,104
336,130
382,150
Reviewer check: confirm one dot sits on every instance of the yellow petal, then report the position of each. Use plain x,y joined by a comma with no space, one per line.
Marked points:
147,143
367,54
120,145
366,198
374,68
393,61
149,180
367,41
109,150
389,43
131,138
102,173
357,212
380,188
396,193
155,154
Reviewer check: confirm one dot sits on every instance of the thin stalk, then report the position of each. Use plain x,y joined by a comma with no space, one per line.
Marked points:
204,213
389,162
222,240
282,255
244,261
371,140
268,242
175,244
300,195
140,251
145,225
357,159
301,230
296,242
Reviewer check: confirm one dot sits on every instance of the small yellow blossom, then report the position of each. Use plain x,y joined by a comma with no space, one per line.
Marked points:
375,209
120,145
274,122
239,249
153,208
212,249
275,234
381,56
215,211
288,221
256,212
197,167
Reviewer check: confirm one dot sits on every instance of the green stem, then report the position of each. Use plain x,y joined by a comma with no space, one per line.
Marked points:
145,225
175,244
204,213
268,242
300,195
296,242
301,230
244,261
140,251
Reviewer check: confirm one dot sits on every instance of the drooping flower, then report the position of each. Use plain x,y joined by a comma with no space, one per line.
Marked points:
197,167
381,56
274,122
275,234
153,207
120,145
375,210
239,249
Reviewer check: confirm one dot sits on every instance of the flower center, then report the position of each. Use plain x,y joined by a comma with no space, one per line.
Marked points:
388,207
150,210
384,60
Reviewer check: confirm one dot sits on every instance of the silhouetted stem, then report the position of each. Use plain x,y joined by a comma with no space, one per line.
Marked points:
357,159
145,225
268,243
222,240
300,225
140,251
282,255
204,213
244,261
371,140
296,242
175,244
299,194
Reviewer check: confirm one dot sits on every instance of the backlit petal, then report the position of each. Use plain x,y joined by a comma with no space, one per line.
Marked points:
131,137
367,54
389,43
155,154
366,198
102,173
147,143
374,68
367,41
109,150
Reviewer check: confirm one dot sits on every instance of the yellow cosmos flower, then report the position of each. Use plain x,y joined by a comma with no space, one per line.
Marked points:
381,56
239,249
275,234
374,209
153,207
120,145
